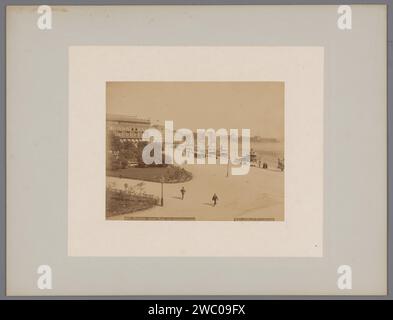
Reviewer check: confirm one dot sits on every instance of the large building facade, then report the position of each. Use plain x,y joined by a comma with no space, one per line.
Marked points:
127,128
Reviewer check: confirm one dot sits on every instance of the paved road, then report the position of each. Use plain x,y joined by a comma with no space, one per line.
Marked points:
260,194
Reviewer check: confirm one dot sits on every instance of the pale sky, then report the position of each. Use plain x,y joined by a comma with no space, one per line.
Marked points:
258,106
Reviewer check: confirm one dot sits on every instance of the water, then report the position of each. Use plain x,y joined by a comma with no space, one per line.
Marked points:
268,152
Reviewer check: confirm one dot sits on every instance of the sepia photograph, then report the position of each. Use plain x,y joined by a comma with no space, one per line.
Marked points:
197,151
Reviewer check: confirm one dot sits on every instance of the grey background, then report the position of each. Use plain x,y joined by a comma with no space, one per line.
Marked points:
45,54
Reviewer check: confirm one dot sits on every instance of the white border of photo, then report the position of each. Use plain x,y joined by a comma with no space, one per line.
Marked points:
301,232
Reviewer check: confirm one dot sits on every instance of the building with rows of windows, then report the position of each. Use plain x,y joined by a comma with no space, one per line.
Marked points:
127,128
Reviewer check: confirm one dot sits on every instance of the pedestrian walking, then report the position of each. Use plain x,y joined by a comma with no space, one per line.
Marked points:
183,191
215,198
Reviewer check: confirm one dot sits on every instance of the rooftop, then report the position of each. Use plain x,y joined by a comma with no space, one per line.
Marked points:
126,118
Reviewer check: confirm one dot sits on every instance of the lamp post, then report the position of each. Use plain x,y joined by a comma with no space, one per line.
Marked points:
162,191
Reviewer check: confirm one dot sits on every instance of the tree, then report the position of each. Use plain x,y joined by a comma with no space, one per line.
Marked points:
113,142
141,145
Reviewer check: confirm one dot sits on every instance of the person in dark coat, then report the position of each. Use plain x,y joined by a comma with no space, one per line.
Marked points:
215,198
183,191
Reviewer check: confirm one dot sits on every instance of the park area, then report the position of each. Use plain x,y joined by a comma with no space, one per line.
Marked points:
122,201
167,174
256,196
